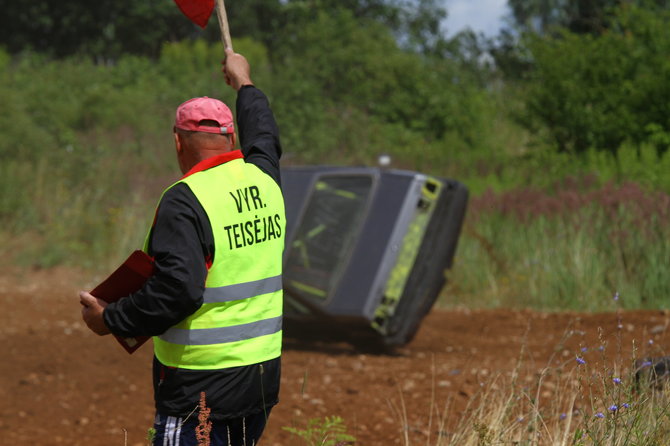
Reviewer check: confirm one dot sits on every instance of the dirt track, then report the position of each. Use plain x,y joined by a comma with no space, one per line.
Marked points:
60,384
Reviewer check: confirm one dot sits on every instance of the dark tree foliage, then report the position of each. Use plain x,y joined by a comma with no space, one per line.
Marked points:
550,18
103,28
540,16
108,28
578,16
416,24
261,19
599,92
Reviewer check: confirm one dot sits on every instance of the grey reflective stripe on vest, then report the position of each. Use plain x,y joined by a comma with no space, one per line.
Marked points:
220,335
242,290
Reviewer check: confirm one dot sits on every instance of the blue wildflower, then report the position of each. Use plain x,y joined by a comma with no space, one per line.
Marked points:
613,408
616,296
600,415
584,349
617,381
625,405
580,360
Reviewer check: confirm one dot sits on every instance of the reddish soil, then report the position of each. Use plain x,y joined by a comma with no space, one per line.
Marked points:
60,384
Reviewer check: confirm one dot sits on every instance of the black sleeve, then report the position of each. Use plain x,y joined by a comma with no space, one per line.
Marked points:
258,131
181,242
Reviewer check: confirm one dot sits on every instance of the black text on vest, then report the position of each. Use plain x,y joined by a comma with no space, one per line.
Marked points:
254,230
247,199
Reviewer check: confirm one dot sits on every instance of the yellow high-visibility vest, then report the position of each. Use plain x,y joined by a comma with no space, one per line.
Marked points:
240,321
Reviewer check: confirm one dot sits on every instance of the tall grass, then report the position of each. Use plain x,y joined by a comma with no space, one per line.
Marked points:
594,395
588,406
564,249
87,148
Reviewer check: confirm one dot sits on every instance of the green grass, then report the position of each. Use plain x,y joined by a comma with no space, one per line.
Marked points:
564,250
579,397
87,149
328,431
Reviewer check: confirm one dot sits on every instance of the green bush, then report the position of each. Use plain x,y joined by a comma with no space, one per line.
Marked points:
87,148
330,431
597,91
565,250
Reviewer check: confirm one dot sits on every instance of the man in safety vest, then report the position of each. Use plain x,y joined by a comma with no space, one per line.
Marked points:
214,304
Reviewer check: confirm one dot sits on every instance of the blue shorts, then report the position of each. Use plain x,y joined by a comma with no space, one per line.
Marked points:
175,431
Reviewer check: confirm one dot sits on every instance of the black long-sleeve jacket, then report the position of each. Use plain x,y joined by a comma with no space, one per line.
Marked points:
181,244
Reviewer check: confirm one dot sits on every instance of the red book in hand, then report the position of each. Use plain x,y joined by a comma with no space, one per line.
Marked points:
128,278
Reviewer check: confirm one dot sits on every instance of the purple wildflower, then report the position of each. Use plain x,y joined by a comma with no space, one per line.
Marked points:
584,349
625,405
600,415
616,381
562,416
613,408
616,296
645,364
580,360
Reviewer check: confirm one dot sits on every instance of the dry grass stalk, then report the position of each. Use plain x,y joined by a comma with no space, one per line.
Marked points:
205,425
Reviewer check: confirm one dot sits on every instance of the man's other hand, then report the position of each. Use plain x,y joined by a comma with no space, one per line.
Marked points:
237,70
92,313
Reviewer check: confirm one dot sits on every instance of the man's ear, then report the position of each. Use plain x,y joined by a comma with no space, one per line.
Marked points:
177,143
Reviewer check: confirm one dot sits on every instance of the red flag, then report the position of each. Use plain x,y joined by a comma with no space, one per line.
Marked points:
198,11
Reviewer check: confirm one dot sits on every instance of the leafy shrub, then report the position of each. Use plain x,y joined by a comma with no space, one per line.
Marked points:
598,91
528,247
330,431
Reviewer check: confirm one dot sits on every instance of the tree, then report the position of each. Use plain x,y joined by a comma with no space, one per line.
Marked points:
582,16
578,16
599,91
345,62
551,18
107,28
415,23
104,28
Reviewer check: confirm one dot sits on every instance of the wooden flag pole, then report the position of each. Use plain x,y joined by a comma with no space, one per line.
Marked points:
223,24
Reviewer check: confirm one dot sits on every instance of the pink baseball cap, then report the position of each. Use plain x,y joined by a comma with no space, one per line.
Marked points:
192,112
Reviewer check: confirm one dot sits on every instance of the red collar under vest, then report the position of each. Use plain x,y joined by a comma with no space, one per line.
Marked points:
214,161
